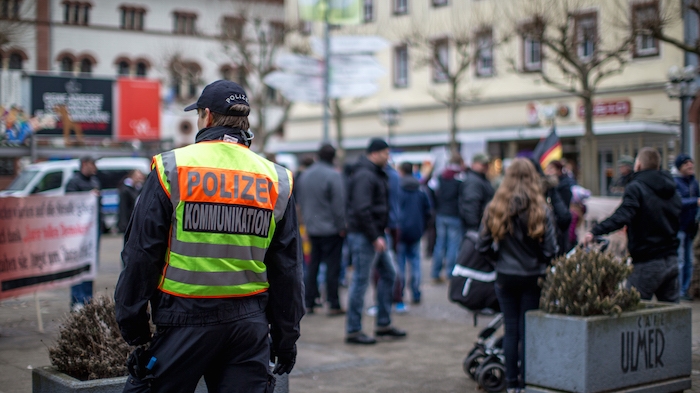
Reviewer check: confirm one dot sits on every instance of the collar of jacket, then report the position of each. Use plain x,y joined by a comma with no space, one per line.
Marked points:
218,133
365,162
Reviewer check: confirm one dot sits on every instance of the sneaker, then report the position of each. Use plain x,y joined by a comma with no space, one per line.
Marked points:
77,307
359,338
389,331
401,308
438,280
686,298
372,311
416,301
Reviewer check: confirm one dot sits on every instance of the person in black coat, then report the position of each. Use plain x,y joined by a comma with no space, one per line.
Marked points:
82,181
650,209
475,193
128,193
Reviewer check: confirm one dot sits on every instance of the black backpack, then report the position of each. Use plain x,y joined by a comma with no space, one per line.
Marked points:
473,279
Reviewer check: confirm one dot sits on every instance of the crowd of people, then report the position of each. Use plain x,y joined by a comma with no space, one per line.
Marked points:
533,215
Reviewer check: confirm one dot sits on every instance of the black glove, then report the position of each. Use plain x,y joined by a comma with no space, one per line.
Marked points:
140,363
285,360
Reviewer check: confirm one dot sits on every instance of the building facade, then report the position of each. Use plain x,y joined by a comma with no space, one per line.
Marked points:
505,98
180,43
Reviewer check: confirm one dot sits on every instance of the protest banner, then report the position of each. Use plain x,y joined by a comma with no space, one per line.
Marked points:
46,242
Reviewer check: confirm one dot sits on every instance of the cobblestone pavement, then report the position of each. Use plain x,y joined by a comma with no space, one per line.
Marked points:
429,360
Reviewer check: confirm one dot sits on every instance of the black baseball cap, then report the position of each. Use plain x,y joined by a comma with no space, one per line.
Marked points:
219,96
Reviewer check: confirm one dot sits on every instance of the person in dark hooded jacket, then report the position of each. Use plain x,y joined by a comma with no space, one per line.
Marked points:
650,209
415,213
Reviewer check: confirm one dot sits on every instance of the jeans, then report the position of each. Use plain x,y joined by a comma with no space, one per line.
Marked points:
656,277
685,262
363,258
449,237
327,249
81,293
516,295
410,252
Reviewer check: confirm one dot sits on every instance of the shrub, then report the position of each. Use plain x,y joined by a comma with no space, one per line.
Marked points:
588,283
89,344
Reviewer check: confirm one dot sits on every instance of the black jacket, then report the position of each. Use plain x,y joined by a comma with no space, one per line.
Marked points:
475,193
564,189
146,242
127,201
447,194
651,209
368,199
80,183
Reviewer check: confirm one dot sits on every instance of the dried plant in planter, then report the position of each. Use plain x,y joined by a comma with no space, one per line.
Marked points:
89,344
588,283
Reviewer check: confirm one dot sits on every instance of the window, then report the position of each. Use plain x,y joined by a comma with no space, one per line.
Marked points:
233,73
484,55
440,60
277,32
532,54
645,15
232,28
400,7
305,27
184,23
586,35
401,66
132,18
141,68
185,78
439,3
9,9
76,13
123,68
368,11
15,61
67,64
86,66
51,181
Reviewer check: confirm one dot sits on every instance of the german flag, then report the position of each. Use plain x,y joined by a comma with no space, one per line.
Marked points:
548,149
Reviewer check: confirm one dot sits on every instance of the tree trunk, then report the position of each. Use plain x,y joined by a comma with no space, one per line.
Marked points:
453,107
589,151
259,140
338,119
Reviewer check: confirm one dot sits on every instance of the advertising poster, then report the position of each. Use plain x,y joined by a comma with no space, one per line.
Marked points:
46,242
139,109
82,102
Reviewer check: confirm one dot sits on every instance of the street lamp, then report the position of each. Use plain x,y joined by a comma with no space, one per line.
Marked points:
682,86
390,116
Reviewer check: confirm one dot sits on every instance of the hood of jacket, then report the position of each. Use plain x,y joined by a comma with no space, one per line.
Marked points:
660,182
409,183
450,172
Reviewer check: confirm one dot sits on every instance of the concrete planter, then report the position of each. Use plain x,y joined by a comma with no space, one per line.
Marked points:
48,380
648,350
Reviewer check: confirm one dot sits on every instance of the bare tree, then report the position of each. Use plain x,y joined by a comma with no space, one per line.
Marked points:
252,43
451,48
577,56
17,18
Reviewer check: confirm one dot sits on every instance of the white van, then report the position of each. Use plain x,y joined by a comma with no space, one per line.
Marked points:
51,177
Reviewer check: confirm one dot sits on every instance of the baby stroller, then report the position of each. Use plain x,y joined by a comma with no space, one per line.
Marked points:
472,287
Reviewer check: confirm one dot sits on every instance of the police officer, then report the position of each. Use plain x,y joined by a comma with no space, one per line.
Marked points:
213,246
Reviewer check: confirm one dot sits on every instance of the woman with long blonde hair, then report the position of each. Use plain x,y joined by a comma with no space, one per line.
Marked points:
518,232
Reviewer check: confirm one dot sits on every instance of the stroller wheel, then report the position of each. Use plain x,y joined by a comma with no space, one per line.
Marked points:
472,362
492,377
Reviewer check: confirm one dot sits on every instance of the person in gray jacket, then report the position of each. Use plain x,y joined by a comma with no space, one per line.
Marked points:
475,193
321,197
518,233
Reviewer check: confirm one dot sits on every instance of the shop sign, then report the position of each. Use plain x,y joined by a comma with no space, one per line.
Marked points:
139,109
608,108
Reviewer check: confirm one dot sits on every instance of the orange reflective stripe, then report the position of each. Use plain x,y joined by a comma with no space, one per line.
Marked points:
216,185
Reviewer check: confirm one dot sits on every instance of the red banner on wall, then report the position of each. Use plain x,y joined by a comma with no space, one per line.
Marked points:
139,109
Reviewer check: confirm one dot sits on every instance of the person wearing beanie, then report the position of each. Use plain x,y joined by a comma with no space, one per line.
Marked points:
321,196
687,188
367,217
625,169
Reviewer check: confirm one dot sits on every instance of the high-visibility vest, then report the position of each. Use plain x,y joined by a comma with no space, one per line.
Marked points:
226,201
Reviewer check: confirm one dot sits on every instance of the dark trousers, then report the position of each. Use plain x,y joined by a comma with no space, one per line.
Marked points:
329,250
232,357
656,277
516,295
